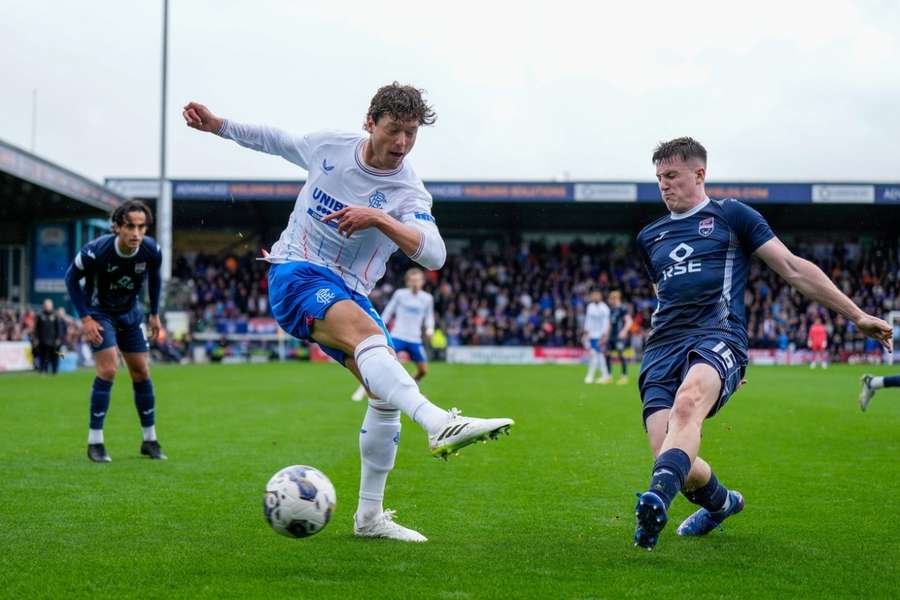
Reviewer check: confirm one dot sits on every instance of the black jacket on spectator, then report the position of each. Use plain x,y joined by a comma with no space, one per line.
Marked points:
49,329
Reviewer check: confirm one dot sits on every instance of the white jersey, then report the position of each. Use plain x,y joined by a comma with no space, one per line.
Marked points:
412,311
596,320
338,177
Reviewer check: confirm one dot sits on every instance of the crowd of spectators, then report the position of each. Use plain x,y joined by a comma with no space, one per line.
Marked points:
217,288
534,293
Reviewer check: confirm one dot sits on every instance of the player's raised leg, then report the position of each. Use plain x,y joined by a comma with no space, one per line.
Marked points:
347,328
144,402
105,362
694,399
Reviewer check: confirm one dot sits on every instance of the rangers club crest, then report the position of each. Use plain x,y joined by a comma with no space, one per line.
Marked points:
324,296
377,200
140,267
706,226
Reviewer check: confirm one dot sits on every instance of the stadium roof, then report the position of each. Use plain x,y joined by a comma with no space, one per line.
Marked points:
32,187
534,191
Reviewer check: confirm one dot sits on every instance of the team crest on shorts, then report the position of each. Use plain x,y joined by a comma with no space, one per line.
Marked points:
706,226
140,267
324,296
377,200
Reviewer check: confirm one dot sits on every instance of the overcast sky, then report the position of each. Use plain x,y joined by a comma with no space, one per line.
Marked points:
523,90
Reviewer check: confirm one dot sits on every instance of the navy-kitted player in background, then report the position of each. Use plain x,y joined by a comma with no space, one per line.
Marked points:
696,354
113,268
619,333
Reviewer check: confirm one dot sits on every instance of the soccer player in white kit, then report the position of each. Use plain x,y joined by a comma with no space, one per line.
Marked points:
596,333
361,202
413,308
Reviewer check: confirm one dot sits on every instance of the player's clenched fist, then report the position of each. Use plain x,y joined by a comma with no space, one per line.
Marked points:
199,117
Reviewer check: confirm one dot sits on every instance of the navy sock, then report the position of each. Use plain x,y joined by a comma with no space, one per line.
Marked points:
893,381
145,402
711,496
100,392
669,474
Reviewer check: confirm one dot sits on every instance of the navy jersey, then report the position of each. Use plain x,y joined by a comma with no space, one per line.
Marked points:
699,262
113,280
617,320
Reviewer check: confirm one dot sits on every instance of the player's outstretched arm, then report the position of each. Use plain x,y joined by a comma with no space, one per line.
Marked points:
810,281
271,140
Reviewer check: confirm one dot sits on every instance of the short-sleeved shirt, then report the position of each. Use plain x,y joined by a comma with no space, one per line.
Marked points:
699,261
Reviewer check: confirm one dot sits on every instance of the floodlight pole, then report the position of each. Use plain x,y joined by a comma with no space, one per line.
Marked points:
164,199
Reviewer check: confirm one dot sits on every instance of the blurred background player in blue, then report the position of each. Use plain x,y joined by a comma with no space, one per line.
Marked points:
620,323
113,268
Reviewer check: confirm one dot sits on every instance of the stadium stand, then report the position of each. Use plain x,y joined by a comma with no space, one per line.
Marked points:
534,293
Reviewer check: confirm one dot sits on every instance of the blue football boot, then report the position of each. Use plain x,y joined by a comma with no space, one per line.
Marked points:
651,519
703,521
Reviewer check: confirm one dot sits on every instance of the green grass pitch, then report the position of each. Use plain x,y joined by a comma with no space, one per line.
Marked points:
544,513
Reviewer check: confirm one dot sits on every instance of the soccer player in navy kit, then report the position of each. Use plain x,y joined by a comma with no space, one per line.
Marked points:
696,354
113,267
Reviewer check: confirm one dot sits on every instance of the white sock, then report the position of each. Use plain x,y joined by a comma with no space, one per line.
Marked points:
592,365
876,383
388,380
378,441
604,370
95,436
149,433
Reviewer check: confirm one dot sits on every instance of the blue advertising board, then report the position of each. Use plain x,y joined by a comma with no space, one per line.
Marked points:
557,191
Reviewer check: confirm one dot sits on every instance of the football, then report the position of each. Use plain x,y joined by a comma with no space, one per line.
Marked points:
299,501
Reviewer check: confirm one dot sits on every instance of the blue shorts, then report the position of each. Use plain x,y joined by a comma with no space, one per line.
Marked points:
122,330
300,293
597,346
664,367
415,350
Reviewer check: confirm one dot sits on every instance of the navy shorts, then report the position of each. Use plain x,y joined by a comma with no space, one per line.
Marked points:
300,293
122,330
415,350
664,367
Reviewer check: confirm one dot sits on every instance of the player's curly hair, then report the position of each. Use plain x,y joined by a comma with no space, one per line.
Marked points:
117,217
685,147
403,102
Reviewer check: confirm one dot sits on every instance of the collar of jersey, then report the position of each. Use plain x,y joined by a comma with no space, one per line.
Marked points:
371,170
691,212
119,252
